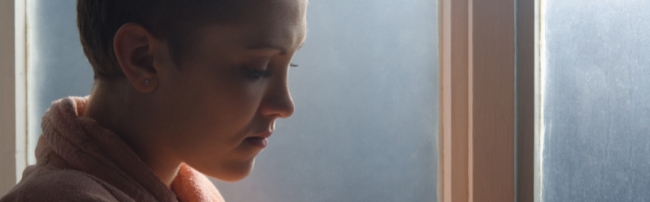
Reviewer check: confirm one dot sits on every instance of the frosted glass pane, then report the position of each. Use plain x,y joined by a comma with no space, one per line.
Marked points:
366,95
57,67
596,109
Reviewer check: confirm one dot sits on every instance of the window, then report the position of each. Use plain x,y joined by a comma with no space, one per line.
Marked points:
596,112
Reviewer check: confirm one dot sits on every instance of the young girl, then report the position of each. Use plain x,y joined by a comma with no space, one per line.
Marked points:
181,88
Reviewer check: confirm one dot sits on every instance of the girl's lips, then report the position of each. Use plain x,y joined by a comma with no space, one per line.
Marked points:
257,141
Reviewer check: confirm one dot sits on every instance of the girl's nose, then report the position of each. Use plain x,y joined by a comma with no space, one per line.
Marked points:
278,101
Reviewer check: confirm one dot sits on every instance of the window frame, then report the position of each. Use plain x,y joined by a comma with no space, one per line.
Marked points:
489,100
13,117
528,101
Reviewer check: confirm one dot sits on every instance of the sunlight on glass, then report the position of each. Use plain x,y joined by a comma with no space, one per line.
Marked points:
595,100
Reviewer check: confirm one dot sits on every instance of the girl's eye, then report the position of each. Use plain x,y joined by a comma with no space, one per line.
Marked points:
256,74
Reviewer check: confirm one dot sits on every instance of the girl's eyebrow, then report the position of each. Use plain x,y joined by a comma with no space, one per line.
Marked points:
282,50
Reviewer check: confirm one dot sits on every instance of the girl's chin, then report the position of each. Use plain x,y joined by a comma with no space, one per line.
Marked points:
231,173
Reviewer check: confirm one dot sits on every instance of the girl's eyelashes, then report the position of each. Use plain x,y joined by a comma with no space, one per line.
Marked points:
256,74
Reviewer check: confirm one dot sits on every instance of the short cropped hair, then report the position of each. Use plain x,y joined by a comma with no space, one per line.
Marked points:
172,20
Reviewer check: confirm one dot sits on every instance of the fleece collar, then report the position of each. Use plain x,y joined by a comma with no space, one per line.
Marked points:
88,147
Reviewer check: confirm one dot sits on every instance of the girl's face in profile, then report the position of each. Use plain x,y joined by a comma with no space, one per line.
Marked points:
218,107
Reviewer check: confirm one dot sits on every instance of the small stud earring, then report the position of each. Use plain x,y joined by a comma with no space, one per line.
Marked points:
146,82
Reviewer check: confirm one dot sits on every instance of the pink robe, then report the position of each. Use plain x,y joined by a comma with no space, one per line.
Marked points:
78,160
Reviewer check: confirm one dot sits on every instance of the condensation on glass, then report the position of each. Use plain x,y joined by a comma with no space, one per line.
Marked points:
366,95
596,104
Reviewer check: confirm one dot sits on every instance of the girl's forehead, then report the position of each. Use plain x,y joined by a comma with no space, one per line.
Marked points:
267,24
285,38
272,9
278,23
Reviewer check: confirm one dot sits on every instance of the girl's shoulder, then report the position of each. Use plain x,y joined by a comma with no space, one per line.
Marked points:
43,184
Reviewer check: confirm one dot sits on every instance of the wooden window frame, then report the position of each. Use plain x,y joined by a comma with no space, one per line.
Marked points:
488,100
13,119
528,97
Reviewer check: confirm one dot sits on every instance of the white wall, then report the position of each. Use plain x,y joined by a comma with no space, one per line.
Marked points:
12,93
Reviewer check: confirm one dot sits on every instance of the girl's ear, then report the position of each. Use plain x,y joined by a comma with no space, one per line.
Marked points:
135,54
